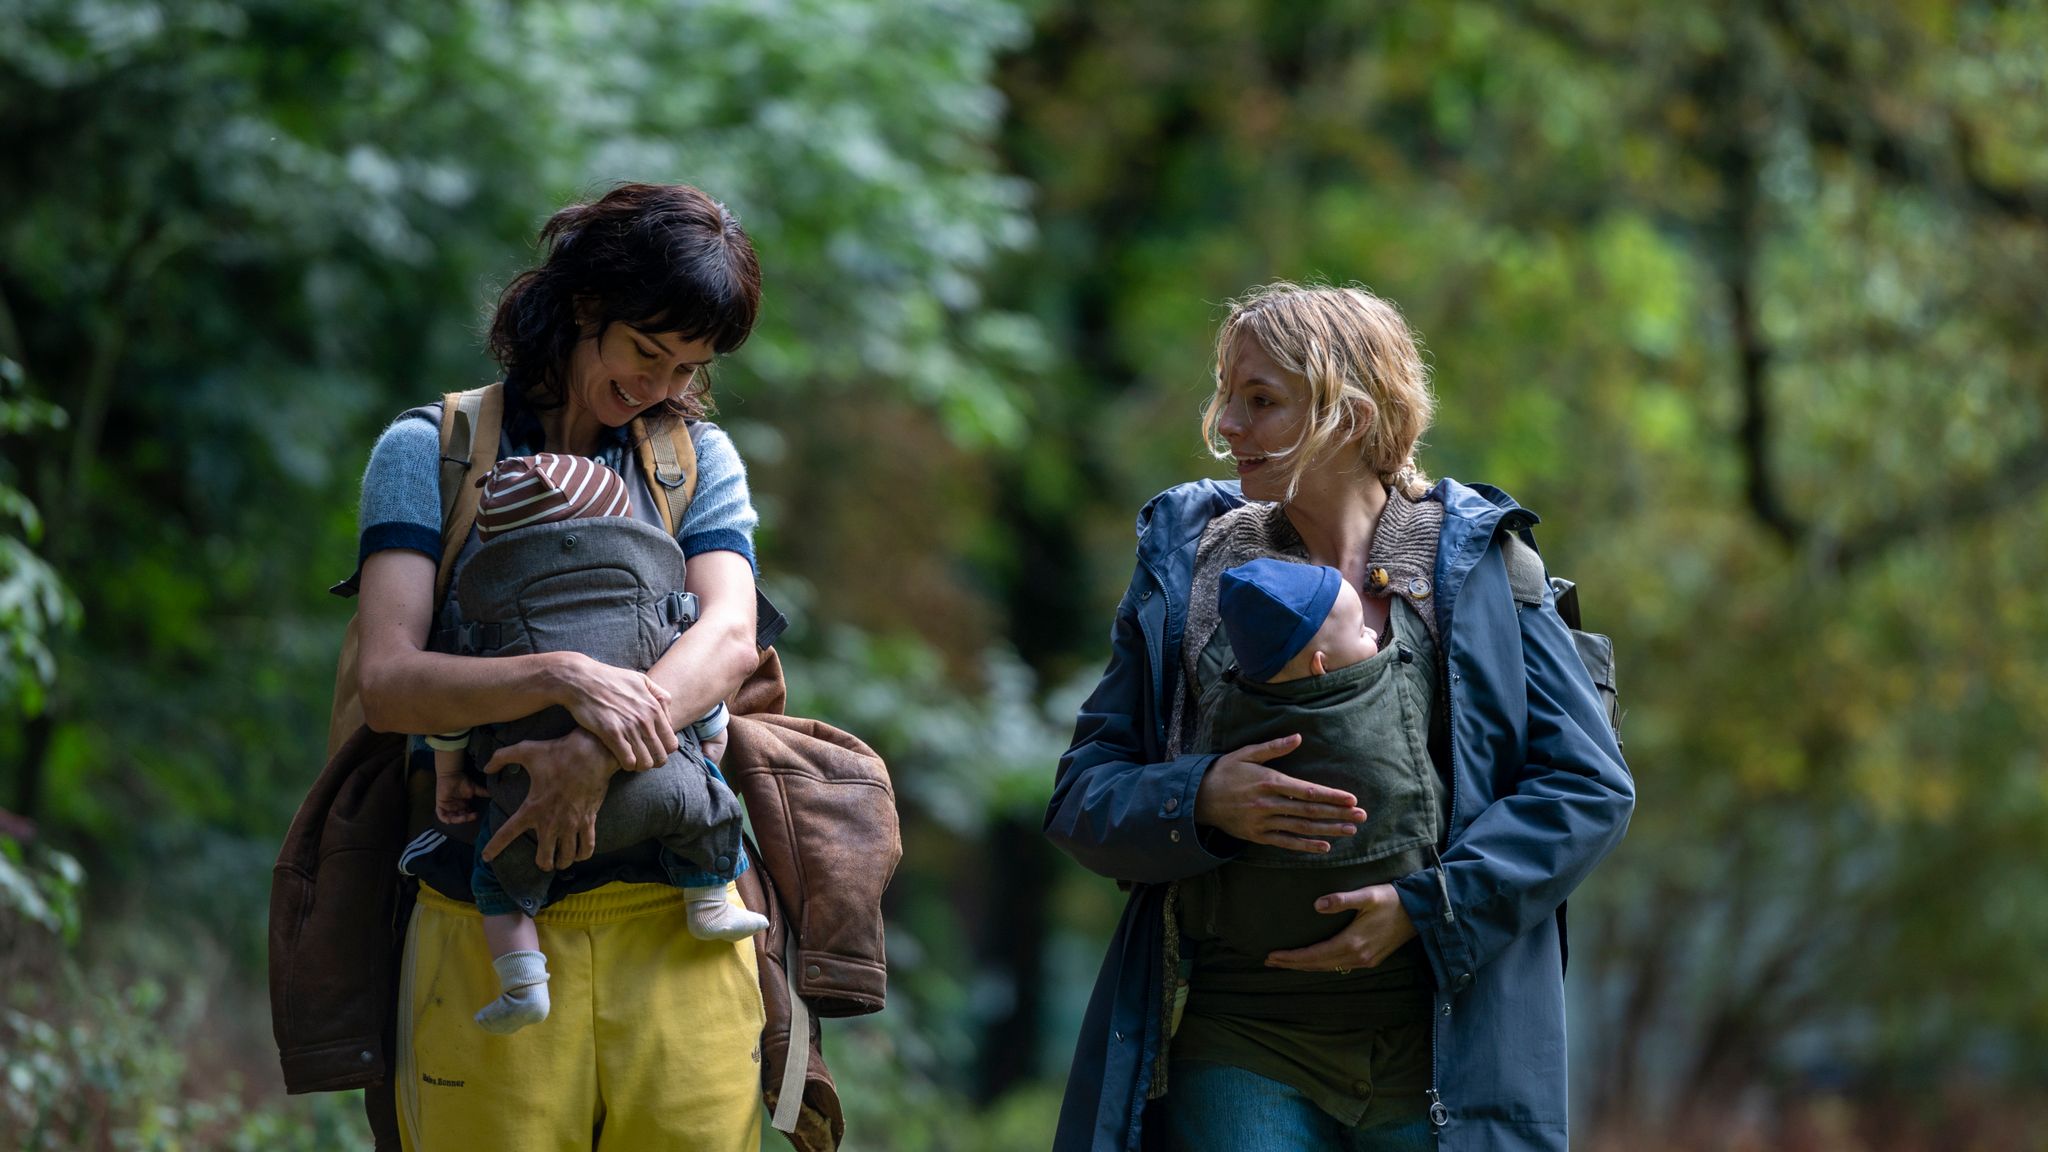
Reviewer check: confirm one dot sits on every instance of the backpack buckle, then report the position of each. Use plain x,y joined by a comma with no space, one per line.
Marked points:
681,609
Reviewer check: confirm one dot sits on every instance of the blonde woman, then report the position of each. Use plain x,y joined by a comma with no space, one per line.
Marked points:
1425,1010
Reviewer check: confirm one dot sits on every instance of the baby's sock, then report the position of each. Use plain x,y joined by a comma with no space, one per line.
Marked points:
712,917
524,977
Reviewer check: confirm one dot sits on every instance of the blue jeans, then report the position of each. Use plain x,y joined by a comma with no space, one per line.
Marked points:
1218,1108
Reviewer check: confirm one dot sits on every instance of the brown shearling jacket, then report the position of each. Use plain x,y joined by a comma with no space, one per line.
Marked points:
823,812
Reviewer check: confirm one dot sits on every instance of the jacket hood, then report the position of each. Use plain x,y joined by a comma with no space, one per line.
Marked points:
1482,506
1175,518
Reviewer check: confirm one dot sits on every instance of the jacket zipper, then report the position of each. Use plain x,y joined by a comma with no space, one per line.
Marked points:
1147,1062
1439,1113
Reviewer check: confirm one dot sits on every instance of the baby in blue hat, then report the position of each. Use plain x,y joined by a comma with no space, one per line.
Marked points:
1302,661
1286,621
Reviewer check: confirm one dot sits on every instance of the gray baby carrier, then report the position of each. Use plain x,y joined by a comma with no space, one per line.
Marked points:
611,589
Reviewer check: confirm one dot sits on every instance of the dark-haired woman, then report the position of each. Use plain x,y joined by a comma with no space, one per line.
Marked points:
653,1037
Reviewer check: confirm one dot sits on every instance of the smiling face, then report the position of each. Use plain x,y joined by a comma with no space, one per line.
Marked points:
1260,409
621,372
1318,385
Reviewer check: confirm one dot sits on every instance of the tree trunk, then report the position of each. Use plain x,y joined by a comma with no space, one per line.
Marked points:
1021,863
35,756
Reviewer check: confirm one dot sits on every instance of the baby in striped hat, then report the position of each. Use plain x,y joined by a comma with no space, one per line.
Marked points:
546,488
520,492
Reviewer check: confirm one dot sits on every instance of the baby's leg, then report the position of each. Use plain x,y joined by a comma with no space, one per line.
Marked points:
713,917
511,932
522,974
708,913
705,883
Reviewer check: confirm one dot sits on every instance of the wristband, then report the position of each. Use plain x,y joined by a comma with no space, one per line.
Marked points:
713,722
449,741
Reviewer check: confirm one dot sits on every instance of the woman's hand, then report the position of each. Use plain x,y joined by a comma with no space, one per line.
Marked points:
1241,796
569,777
714,748
626,710
1380,926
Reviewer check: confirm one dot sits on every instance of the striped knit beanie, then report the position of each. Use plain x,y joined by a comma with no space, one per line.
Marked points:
545,488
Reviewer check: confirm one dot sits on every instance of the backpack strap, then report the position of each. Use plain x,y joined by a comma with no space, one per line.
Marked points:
1526,579
469,449
1525,569
669,461
796,1060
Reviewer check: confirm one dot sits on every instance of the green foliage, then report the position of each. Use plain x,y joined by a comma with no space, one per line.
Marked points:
899,1099
89,1062
34,604
961,759
279,227
41,888
1742,298
271,227
1733,296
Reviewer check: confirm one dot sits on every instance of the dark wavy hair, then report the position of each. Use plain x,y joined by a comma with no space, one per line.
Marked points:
660,257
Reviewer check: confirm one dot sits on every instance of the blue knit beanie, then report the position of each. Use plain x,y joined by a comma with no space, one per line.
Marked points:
1271,609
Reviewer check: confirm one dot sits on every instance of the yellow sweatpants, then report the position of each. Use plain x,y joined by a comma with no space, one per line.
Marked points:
652,1041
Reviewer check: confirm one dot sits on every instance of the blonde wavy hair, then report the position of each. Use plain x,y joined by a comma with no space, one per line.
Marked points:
1364,370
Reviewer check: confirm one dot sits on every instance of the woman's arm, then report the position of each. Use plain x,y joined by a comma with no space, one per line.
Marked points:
1511,868
1518,860
406,688
715,656
1131,820
1110,811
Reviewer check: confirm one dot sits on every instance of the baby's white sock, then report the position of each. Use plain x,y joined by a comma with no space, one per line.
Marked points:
524,977
712,917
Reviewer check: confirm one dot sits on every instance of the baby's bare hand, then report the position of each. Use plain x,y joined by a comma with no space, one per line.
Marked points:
453,796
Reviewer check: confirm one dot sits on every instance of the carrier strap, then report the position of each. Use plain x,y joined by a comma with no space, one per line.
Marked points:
796,1063
469,449
670,462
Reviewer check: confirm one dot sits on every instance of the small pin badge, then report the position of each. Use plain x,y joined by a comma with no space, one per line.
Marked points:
1379,577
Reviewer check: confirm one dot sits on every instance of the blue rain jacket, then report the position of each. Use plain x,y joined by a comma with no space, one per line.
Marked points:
1539,794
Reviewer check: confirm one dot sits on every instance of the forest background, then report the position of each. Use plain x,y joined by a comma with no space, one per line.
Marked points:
1743,296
